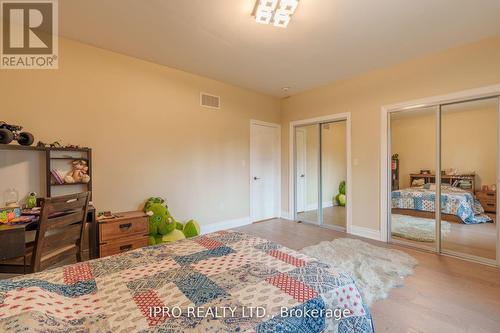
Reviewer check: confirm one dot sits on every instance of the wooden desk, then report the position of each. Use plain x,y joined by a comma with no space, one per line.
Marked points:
13,238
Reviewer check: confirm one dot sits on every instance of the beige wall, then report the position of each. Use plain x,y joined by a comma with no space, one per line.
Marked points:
198,158
468,143
148,133
470,66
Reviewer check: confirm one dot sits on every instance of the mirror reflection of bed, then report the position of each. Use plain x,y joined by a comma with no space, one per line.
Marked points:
473,232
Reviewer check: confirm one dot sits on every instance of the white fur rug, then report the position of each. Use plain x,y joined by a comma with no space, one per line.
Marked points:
375,269
417,228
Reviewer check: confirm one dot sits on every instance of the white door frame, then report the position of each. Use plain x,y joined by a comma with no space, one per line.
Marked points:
277,205
385,159
291,172
305,178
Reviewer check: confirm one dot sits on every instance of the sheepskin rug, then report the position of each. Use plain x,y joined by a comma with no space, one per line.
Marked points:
417,228
375,269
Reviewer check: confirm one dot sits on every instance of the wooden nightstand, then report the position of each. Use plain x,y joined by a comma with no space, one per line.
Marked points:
488,200
129,231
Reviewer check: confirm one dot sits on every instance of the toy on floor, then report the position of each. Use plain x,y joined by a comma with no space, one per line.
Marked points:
163,227
341,198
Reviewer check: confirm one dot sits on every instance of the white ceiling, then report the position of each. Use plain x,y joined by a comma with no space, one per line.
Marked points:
326,40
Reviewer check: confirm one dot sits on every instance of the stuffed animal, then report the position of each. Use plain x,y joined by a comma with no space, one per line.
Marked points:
79,173
341,198
163,227
153,200
191,229
31,200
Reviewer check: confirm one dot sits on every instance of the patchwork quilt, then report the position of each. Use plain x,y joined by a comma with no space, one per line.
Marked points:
221,282
454,201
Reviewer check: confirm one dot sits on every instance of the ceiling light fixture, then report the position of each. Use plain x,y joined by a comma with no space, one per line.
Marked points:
277,12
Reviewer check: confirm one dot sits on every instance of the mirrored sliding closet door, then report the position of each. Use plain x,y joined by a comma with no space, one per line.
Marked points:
321,173
469,178
307,148
413,165
333,174
443,177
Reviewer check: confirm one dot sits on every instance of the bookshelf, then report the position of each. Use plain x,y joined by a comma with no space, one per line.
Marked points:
54,156
465,181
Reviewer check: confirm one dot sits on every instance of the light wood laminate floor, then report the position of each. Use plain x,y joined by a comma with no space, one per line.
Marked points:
444,295
474,239
333,216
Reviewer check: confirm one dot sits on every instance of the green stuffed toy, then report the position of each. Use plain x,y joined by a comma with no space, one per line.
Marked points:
341,197
154,200
161,223
163,227
191,229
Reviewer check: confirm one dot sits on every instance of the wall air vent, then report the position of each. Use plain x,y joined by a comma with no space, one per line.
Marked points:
209,101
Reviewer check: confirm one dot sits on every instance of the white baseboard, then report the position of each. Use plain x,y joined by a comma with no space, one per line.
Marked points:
365,232
223,225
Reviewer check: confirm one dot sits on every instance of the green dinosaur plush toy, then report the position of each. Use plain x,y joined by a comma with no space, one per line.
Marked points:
161,222
341,197
154,200
179,225
172,236
163,227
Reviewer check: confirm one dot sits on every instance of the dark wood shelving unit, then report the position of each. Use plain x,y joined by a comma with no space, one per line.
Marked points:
19,147
91,218
67,158
48,166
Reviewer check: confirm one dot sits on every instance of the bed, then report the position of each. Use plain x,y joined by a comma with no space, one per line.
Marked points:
457,205
224,275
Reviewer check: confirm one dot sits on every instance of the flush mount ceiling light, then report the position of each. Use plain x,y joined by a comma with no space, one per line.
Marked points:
277,12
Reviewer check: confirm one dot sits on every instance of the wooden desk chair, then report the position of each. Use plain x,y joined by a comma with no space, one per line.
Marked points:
58,236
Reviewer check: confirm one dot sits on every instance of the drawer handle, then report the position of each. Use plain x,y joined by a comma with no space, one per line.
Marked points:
125,225
125,248
490,204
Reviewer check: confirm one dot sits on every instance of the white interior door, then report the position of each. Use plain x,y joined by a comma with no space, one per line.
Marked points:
301,170
265,157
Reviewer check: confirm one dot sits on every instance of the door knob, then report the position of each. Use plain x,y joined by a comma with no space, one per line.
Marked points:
255,178
302,176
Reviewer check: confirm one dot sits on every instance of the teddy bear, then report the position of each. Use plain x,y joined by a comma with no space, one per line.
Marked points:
79,173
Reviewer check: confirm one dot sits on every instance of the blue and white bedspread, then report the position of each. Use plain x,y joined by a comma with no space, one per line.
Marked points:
221,282
454,201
